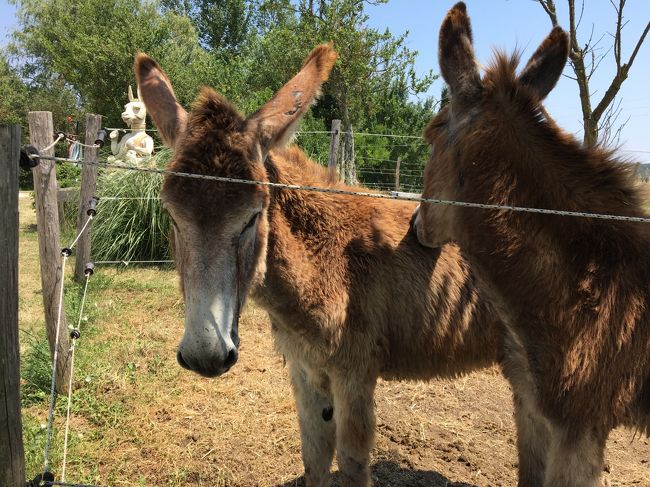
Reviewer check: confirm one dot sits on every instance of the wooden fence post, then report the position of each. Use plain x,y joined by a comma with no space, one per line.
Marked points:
399,162
335,137
49,245
350,170
88,186
12,456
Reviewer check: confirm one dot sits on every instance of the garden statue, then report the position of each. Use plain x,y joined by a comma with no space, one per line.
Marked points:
135,147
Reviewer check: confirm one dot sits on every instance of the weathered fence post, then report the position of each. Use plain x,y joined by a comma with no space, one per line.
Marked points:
88,185
349,169
399,162
12,456
335,136
49,245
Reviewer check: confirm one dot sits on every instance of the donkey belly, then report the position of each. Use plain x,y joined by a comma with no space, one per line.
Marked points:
429,356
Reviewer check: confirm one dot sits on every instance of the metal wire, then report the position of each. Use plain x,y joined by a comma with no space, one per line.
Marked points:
112,198
127,262
74,242
72,350
362,134
56,141
90,146
337,191
65,484
130,130
50,416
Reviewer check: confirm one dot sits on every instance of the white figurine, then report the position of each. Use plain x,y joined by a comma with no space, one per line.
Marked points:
135,147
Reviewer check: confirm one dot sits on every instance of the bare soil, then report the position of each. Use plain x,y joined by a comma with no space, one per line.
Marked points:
139,419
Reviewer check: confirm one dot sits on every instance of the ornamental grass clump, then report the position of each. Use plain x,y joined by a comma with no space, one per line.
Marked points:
131,223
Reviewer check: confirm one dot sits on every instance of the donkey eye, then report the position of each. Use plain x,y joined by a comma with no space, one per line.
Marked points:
174,225
251,223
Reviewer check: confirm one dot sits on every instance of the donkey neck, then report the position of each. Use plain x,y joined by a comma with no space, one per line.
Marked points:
313,240
524,253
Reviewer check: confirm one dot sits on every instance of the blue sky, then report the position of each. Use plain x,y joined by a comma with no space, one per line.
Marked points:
522,24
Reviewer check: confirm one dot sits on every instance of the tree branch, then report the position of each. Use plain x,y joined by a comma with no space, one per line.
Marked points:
621,76
549,7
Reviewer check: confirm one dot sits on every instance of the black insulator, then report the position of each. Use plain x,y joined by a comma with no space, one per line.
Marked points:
66,252
92,206
100,139
328,413
90,268
41,480
75,334
27,162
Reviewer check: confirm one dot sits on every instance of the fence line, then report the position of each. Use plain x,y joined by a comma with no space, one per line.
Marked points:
127,262
60,137
75,334
346,192
66,252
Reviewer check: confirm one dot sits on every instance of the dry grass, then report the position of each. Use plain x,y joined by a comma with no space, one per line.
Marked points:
139,419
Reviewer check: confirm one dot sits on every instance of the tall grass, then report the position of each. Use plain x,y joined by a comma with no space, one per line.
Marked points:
131,229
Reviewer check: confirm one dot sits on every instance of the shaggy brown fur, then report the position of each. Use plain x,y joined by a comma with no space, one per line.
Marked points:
573,292
340,276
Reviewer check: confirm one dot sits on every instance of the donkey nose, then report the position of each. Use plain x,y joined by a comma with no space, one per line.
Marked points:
181,361
414,217
231,358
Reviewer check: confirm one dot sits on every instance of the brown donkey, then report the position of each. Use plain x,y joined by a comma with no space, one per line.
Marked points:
340,276
573,292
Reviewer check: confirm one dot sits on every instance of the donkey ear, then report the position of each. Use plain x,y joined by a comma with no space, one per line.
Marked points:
159,99
456,54
545,66
276,122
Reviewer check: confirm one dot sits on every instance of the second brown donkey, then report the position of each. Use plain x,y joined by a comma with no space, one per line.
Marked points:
574,293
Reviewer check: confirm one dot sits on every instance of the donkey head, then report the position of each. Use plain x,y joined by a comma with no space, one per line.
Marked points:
220,229
489,123
135,112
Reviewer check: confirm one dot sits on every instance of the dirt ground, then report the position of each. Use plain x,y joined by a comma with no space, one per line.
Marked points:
139,419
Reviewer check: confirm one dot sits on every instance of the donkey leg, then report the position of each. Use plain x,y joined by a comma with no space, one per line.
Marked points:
355,428
317,430
533,435
532,442
574,462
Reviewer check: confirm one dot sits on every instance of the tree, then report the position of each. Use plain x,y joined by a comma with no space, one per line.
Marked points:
372,65
13,95
89,45
585,60
224,26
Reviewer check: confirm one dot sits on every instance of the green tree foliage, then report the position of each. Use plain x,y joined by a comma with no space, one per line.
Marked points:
13,95
246,49
90,45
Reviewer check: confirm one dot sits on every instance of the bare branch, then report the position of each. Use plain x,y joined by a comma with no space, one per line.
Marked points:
549,8
582,11
638,45
617,36
621,76
597,62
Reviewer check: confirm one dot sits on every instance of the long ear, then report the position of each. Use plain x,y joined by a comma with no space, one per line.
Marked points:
130,94
277,121
159,99
456,55
545,66
139,94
